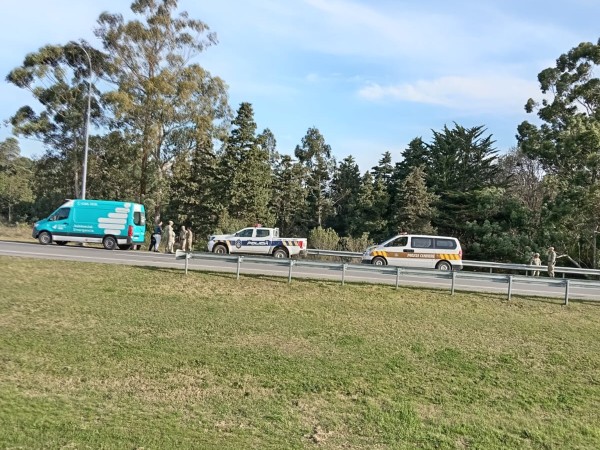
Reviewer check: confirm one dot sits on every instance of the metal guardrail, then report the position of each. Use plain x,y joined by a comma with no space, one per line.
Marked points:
398,272
476,264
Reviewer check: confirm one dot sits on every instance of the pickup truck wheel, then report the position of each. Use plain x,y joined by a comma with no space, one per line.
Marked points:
280,253
220,249
444,265
45,238
109,243
379,261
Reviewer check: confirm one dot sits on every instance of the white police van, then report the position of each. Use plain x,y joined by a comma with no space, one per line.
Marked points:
418,251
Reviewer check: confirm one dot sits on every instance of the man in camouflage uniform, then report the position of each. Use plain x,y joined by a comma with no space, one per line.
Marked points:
169,237
188,236
551,261
183,238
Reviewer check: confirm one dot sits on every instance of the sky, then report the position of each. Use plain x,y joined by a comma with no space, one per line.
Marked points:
371,75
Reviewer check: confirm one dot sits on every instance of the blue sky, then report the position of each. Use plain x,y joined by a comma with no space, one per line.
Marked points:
370,75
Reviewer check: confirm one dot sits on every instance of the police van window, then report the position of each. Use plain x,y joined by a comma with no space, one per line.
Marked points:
420,242
446,244
62,214
262,233
401,241
246,232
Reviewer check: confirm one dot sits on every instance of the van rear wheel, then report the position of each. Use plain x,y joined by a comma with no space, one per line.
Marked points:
45,238
109,243
444,265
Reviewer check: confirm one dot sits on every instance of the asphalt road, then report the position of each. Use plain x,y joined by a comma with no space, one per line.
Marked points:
521,285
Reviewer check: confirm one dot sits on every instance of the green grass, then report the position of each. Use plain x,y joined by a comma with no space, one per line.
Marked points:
21,233
101,356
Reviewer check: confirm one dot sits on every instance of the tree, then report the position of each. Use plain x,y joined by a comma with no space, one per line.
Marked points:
246,171
567,144
413,210
288,200
345,187
315,155
57,77
160,96
15,180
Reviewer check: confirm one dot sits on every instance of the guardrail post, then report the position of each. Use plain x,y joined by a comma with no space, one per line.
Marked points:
239,265
453,281
290,272
397,277
510,281
186,263
566,292
344,266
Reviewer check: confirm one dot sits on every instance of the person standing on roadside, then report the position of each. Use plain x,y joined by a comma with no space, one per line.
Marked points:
169,237
536,261
188,235
551,261
183,237
157,236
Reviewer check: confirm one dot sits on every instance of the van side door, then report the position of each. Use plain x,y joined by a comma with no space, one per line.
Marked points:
60,221
398,252
423,252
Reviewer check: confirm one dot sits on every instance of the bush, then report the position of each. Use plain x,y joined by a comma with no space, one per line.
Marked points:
323,239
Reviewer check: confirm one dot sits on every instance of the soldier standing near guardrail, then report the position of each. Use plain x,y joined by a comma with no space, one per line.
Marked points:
551,261
183,237
169,237
188,238
536,261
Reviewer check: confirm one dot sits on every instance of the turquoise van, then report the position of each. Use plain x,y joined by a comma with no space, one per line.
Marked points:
114,224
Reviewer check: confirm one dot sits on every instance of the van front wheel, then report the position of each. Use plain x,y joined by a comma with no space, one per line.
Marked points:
444,265
109,243
379,261
45,238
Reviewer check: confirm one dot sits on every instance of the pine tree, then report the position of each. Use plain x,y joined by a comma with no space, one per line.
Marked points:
345,187
289,197
316,156
246,171
413,209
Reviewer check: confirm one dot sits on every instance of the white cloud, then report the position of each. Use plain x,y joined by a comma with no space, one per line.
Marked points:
467,93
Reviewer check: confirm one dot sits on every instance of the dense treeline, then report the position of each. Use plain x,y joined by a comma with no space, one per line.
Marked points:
166,136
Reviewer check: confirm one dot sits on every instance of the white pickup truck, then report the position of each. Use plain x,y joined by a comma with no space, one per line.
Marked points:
257,241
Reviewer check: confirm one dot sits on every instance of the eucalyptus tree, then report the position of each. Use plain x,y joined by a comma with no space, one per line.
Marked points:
567,144
160,95
58,78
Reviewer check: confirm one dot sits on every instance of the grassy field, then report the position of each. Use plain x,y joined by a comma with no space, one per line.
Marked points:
100,356
21,233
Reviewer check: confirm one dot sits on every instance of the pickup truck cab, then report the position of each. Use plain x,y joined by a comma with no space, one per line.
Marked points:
257,241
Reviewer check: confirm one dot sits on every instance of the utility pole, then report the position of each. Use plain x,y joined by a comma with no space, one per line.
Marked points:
87,123
594,233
